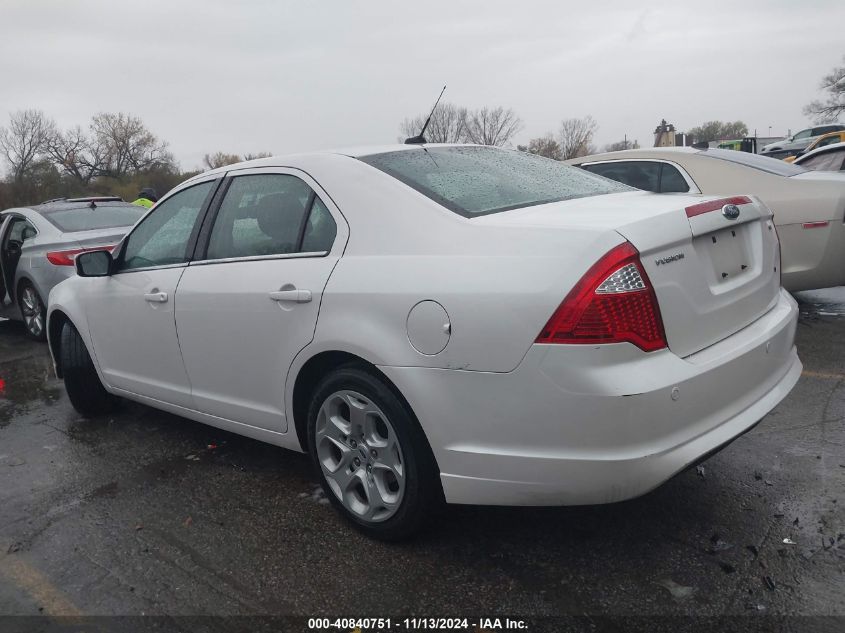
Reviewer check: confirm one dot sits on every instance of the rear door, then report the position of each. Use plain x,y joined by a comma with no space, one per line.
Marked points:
249,302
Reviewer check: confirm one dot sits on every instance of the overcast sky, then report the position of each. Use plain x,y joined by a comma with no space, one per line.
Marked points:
283,76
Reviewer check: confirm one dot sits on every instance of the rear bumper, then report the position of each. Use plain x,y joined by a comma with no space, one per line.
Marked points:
598,424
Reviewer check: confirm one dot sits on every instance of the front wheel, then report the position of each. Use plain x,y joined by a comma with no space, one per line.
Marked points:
83,386
33,312
374,462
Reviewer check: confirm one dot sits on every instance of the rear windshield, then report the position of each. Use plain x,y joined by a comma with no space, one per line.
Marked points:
473,181
88,219
755,161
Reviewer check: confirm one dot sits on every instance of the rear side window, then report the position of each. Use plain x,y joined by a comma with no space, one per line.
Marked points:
478,180
20,231
829,141
671,180
270,214
89,219
643,175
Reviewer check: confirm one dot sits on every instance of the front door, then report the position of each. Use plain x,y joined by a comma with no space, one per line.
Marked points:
131,312
250,303
4,227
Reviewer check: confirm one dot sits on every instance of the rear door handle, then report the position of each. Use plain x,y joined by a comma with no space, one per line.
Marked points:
156,297
298,296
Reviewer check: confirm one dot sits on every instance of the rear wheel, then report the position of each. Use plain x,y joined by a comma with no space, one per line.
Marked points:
374,462
33,312
83,386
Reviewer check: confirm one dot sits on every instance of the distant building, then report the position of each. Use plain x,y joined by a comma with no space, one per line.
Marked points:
664,135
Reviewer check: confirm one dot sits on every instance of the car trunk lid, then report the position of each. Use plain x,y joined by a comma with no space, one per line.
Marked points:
97,237
712,274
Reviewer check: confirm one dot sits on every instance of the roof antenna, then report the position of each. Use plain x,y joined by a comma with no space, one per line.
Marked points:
419,139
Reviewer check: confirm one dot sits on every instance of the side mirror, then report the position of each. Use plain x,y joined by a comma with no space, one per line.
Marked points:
94,264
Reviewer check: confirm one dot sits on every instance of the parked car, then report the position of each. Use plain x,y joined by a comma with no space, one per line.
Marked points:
826,158
37,246
821,141
808,206
440,322
799,141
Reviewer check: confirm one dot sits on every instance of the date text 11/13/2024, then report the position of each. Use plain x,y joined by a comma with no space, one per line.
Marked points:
382,625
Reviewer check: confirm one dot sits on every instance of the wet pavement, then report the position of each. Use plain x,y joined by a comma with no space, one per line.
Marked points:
146,513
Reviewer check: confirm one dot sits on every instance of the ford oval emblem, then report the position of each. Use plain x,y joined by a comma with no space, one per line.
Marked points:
730,211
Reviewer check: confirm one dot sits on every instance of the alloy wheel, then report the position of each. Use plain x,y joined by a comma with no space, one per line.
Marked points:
32,311
360,456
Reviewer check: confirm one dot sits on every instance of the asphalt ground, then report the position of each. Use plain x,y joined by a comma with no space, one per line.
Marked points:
147,513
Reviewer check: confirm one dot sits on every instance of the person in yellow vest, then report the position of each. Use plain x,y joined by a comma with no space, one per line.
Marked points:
147,197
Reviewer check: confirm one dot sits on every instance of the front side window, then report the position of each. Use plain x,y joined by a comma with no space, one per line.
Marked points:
270,214
477,180
162,238
643,175
803,134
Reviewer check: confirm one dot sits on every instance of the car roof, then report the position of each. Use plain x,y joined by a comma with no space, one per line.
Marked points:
283,160
819,150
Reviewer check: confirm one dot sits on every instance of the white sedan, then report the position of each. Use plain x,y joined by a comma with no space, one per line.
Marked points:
809,206
430,323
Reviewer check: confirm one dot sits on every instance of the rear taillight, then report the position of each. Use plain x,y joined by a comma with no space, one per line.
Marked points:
612,303
65,258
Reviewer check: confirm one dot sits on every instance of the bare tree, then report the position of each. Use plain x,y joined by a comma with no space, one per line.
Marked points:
127,144
220,159
447,125
543,146
76,154
25,141
492,126
576,137
828,110
620,145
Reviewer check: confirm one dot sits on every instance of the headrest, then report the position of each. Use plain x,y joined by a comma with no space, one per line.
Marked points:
279,216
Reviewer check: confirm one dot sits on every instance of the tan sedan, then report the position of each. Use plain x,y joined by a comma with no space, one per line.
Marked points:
809,206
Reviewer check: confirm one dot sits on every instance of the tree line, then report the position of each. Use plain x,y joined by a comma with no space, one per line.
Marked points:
115,154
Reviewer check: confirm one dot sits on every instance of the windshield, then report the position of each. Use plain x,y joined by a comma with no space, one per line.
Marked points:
88,219
755,161
477,180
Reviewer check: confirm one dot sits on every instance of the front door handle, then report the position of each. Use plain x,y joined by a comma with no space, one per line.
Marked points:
156,297
298,296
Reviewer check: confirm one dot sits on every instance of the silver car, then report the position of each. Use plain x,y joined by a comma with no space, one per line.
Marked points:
799,141
38,245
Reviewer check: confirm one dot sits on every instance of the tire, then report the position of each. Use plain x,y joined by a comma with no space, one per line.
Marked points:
83,386
33,312
374,463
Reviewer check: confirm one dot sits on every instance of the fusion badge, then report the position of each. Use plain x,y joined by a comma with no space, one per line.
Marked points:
669,259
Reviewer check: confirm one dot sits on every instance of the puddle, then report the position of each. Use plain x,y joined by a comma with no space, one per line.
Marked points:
827,302
26,380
